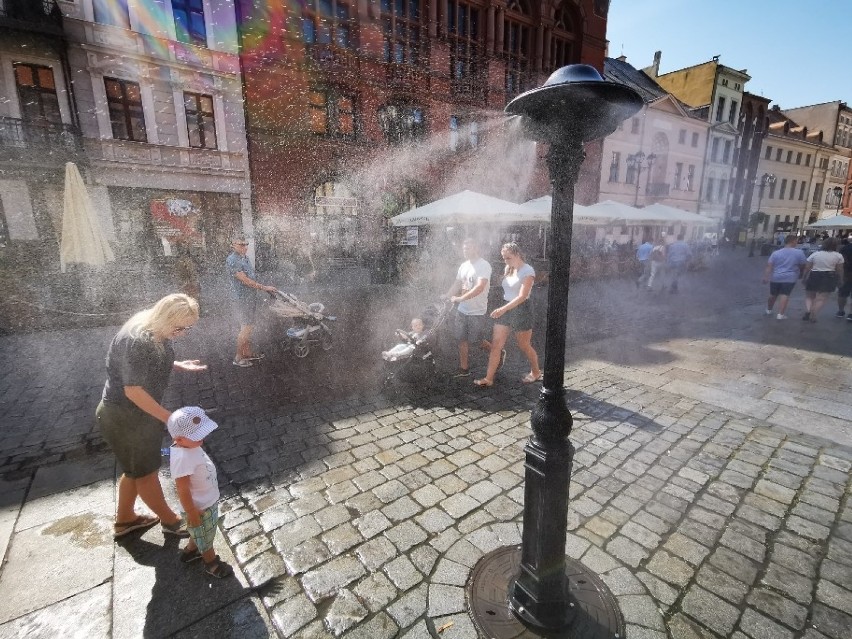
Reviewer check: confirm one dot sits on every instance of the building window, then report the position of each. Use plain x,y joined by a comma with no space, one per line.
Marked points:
678,175
112,12
778,153
332,114
726,154
326,22
634,125
799,157
802,187
723,190
720,109
783,190
789,157
630,174
37,92
562,41
711,185
768,153
695,139
401,27
401,124
793,189
464,133
681,136
732,114
817,193
189,22
808,160
690,177
714,154
200,123
463,32
125,110
772,190
614,166
516,46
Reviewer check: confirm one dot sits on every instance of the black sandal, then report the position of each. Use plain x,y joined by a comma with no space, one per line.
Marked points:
218,568
188,556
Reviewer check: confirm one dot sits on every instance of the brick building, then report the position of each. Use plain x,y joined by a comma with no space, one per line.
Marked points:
356,111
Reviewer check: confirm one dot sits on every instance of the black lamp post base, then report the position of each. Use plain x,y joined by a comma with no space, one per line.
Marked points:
592,611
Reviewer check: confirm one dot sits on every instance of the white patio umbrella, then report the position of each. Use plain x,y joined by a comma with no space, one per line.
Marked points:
467,207
539,211
672,214
618,212
834,222
83,240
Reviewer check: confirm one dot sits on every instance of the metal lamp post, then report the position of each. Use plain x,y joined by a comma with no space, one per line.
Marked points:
535,587
838,194
637,162
766,178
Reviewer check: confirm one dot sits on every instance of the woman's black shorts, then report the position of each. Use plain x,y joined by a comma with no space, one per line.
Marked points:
519,318
821,282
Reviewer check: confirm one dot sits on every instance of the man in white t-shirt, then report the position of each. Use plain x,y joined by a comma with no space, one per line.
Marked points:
470,292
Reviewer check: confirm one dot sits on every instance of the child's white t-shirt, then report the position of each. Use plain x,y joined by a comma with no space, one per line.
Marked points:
194,463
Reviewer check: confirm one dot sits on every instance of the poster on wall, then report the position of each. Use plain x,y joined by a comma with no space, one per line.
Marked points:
177,220
410,237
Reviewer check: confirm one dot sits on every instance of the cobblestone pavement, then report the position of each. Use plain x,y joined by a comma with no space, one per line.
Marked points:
710,487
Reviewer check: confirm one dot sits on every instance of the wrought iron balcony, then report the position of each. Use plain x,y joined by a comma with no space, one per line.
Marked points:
43,14
658,189
42,137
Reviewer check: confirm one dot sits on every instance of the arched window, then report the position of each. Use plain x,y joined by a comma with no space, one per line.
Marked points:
564,43
401,30
327,22
517,46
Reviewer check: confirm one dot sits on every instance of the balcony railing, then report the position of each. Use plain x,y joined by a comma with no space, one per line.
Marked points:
658,189
38,136
330,57
43,12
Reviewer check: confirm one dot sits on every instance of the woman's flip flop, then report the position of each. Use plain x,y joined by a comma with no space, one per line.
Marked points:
483,383
529,379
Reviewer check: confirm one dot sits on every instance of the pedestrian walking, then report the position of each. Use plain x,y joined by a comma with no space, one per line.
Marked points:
643,255
130,415
195,479
658,262
783,269
846,286
470,292
823,272
244,299
515,315
678,255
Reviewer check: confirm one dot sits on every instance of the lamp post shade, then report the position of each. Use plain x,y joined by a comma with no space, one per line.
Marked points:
575,101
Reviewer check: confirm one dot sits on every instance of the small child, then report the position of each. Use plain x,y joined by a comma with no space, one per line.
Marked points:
197,488
407,347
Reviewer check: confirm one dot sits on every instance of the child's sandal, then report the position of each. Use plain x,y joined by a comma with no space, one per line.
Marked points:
218,568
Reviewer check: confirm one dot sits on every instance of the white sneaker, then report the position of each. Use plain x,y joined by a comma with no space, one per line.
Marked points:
768,311
779,316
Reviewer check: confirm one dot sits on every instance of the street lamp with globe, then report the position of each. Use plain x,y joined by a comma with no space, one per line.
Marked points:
535,587
637,162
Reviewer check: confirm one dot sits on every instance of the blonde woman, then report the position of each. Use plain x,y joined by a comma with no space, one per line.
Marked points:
515,315
130,415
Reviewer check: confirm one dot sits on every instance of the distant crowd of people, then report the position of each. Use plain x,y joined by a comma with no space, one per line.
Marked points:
661,264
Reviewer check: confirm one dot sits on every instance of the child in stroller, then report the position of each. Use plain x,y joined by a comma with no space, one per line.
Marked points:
309,324
413,358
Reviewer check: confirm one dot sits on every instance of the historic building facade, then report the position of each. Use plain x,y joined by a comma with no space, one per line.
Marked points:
357,111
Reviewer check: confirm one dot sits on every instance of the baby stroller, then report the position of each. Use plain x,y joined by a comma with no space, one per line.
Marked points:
412,359
309,324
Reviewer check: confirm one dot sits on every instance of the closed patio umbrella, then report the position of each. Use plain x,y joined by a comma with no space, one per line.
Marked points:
83,240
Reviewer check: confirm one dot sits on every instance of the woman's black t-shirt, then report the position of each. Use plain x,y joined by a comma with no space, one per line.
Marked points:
137,362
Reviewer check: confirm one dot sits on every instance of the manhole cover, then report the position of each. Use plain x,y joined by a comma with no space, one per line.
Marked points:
593,614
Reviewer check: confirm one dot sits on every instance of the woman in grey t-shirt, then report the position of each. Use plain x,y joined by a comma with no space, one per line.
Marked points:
514,315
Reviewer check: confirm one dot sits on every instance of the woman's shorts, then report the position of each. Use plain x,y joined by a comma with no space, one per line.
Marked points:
135,438
204,534
781,288
519,318
821,282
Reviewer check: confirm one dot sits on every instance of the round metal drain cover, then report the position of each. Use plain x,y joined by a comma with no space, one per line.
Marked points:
594,613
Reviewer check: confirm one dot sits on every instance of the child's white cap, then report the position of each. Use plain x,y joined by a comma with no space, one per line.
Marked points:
190,422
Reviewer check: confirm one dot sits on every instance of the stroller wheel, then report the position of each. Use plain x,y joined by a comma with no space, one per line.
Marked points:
301,349
326,342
